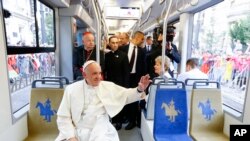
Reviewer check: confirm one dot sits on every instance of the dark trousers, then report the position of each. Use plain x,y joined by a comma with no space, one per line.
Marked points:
133,109
119,117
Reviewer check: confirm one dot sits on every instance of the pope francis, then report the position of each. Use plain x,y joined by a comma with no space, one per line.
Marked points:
86,106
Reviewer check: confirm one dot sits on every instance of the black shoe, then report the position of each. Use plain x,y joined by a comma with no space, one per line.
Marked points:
124,120
130,126
118,126
138,125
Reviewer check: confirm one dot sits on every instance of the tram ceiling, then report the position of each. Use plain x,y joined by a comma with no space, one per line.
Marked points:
120,15
158,11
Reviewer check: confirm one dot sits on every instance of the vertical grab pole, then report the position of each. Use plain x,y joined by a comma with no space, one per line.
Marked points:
98,26
165,23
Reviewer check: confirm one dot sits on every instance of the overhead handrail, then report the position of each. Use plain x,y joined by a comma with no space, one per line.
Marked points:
149,12
165,23
185,5
98,39
179,9
165,5
194,4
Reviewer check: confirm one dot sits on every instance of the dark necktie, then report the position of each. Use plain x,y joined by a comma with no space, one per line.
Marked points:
131,63
148,49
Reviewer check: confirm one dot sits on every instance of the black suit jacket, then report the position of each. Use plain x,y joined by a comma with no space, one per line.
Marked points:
79,60
148,64
140,62
173,55
153,48
117,68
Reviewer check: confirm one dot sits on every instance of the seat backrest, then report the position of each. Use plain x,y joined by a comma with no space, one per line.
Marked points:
149,113
63,79
190,81
44,103
206,111
170,112
189,86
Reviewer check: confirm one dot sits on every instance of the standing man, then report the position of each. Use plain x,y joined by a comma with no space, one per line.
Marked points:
117,71
171,49
149,47
84,53
124,38
137,69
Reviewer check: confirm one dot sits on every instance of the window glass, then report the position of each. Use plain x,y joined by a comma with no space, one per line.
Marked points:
45,19
20,26
30,24
221,40
23,70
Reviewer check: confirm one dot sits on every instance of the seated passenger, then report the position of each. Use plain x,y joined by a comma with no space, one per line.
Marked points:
192,71
158,68
84,112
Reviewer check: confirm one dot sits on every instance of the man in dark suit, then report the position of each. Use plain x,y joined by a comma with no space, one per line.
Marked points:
136,57
149,45
84,53
148,49
171,49
117,71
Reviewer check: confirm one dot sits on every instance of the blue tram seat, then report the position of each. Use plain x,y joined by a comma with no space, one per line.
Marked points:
170,120
44,103
149,111
206,116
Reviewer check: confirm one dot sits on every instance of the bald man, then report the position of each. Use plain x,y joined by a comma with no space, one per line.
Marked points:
84,53
137,69
86,106
124,38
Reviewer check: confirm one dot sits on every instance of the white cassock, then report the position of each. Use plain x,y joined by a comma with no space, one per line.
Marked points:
84,111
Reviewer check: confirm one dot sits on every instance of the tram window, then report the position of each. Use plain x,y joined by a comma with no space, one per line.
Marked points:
27,32
221,39
18,31
45,26
23,70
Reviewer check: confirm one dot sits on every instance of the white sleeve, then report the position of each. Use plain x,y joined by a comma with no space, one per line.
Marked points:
66,127
133,95
64,117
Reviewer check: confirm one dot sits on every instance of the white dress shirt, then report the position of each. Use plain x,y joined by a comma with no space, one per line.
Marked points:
130,51
192,74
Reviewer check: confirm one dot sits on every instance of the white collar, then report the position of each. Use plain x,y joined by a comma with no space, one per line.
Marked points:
86,85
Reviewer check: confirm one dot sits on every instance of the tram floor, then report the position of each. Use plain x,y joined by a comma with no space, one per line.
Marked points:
130,135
